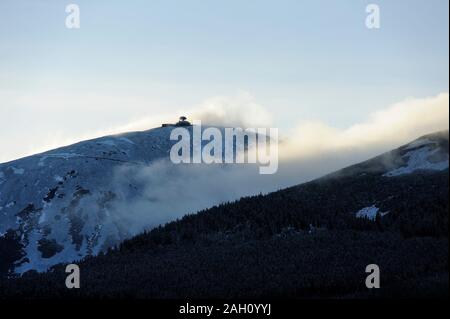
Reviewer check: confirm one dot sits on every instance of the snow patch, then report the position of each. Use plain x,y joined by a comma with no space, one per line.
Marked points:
108,142
10,204
417,160
17,171
418,143
370,213
124,139
43,217
64,156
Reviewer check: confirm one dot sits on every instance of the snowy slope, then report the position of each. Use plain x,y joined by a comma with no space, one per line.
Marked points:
428,153
74,201
422,154
62,205
57,206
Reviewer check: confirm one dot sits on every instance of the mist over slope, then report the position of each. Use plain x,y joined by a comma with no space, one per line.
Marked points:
79,200
310,240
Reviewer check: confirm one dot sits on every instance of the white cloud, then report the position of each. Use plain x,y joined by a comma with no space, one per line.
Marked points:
389,127
383,130
33,123
238,111
309,151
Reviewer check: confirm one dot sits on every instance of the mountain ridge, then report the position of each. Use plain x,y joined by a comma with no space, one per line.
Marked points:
73,201
313,239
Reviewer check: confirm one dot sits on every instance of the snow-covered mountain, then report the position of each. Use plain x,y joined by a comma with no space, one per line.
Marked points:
62,205
310,240
56,206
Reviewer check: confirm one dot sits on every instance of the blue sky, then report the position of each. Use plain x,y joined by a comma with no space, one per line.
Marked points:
301,60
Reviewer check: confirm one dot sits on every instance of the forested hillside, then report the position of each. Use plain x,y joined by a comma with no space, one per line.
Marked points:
312,240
